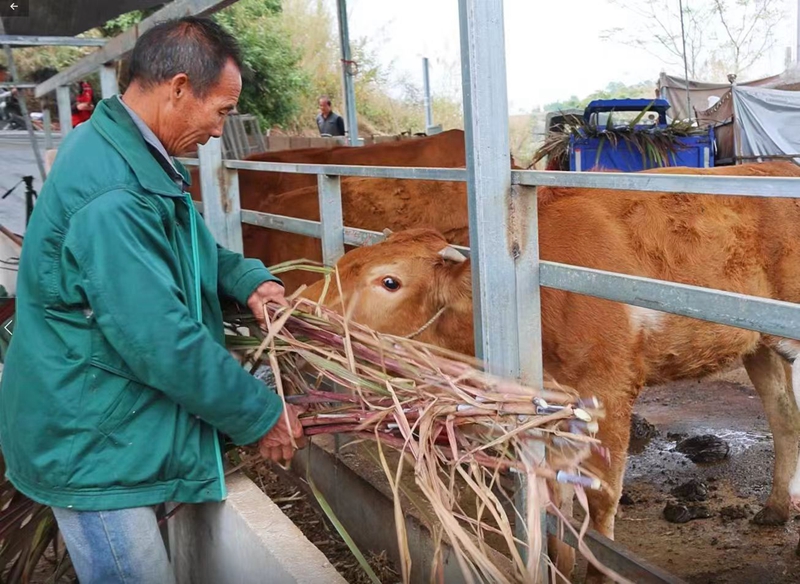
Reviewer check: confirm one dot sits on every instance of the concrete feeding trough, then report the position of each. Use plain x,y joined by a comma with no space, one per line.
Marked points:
246,539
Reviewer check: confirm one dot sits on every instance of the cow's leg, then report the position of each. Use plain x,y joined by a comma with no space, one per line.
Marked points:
766,370
790,350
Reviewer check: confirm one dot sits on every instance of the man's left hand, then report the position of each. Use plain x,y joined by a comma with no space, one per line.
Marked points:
266,292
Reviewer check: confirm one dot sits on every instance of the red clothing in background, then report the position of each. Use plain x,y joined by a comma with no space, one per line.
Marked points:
86,96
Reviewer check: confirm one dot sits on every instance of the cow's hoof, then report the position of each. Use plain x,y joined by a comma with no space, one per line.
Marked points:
769,516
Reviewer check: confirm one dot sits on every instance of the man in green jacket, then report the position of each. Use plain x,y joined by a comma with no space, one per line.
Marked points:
117,381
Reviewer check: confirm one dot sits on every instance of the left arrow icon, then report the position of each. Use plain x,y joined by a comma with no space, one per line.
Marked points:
14,6
8,324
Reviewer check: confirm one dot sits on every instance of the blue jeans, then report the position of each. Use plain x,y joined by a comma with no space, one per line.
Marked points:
115,547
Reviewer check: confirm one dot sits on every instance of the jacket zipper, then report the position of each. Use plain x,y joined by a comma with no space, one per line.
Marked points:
199,314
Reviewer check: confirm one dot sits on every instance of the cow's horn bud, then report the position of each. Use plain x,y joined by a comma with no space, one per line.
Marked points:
452,254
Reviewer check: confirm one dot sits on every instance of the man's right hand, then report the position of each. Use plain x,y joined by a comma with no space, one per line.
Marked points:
276,444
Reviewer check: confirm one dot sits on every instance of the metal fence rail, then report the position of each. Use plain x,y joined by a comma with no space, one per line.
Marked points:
739,310
397,172
748,186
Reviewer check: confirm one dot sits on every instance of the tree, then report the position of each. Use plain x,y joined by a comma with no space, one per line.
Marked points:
272,79
722,36
748,34
384,104
614,90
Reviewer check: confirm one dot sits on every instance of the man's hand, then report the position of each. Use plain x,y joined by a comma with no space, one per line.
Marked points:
277,443
266,292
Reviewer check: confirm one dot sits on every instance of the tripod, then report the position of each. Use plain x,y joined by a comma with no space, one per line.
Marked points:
30,195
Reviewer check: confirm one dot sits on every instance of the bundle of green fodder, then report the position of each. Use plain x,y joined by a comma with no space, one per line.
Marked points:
450,419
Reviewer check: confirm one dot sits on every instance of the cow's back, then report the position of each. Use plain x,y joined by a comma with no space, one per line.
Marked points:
443,150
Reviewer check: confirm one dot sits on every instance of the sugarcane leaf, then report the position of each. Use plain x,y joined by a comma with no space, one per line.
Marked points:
340,529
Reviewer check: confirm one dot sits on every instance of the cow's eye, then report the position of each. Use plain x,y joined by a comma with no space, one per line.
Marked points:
391,284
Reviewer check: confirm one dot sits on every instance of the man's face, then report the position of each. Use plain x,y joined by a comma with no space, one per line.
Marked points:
324,107
192,120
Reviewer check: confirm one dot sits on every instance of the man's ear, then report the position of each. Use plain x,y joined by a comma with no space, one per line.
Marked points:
179,86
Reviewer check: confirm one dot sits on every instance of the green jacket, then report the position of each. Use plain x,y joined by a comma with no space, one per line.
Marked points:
116,378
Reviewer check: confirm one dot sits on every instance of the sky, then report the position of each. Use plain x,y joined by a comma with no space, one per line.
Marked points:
553,48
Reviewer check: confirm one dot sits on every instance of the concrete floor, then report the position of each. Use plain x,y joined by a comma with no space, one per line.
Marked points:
17,160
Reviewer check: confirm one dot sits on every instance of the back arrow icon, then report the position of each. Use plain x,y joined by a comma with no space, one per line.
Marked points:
14,6
8,324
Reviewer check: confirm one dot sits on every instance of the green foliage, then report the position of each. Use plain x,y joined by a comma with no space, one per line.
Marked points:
614,90
123,22
384,105
274,81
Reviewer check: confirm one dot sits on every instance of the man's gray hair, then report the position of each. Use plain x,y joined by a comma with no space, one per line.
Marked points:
195,46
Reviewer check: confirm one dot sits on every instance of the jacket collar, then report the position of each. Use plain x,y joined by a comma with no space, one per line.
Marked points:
115,124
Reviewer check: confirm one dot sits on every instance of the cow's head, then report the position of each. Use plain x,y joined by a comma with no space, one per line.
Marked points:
410,280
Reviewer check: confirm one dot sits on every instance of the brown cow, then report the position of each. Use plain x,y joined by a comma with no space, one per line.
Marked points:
608,349
444,150
373,204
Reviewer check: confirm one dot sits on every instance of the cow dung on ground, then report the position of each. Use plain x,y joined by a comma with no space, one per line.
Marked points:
706,448
693,490
677,513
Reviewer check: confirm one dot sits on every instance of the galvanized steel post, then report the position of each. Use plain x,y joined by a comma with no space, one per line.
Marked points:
47,122
503,230
330,214
797,36
12,67
219,187
426,92
108,80
64,110
347,76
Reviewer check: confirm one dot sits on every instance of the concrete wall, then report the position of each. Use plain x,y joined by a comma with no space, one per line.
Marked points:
245,540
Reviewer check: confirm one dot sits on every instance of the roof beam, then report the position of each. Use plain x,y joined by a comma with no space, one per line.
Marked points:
123,43
49,41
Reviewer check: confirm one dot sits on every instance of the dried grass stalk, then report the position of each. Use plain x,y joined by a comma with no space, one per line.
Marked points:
454,421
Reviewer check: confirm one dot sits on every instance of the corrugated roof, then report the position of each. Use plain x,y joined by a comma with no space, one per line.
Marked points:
70,17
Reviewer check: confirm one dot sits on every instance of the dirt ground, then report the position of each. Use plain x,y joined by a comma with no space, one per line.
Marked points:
718,549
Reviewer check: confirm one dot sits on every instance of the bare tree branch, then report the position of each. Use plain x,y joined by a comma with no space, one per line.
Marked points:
721,36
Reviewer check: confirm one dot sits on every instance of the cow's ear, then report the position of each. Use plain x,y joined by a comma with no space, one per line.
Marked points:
454,283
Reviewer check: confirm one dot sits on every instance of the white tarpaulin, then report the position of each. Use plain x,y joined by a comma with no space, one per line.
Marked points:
768,121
